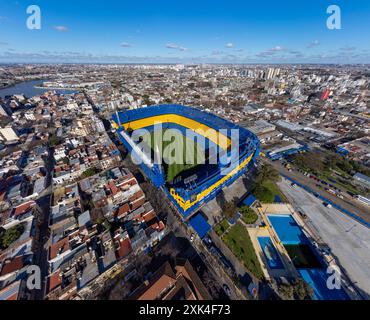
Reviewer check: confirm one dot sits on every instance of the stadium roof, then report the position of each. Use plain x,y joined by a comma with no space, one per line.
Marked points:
195,114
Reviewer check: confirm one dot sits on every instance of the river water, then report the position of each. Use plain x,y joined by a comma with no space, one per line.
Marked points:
28,89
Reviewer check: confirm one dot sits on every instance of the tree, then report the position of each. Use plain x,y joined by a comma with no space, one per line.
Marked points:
230,210
89,172
10,235
65,160
309,162
267,172
286,291
53,140
298,289
302,290
331,162
264,194
249,216
344,165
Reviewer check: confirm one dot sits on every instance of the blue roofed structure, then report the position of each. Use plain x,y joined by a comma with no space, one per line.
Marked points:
248,201
195,186
200,225
280,153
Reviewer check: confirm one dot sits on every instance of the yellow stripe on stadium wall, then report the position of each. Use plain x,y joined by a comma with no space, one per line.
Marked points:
196,126
185,205
211,134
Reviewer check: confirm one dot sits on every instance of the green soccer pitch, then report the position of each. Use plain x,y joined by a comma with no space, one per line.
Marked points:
183,151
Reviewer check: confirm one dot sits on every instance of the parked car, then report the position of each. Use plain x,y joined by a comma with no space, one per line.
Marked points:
227,289
207,241
328,205
351,193
330,190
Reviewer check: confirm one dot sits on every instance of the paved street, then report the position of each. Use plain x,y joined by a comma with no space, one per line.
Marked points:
43,202
348,239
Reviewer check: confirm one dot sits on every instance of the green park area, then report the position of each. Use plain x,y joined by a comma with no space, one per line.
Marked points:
248,215
8,236
239,242
265,188
222,227
268,192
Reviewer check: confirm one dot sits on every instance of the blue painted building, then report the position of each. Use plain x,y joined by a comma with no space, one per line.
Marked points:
209,180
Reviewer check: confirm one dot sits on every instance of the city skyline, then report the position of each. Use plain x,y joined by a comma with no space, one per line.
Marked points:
168,32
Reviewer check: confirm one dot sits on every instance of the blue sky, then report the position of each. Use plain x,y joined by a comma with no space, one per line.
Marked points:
232,31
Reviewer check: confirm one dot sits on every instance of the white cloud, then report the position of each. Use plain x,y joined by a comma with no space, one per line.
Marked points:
229,45
296,53
277,49
270,52
126,45
216,52
286,56
60,28
175,47
348,49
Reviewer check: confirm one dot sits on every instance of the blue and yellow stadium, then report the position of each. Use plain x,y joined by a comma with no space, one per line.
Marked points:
189,186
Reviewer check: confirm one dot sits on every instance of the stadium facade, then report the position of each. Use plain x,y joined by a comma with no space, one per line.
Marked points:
196,186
